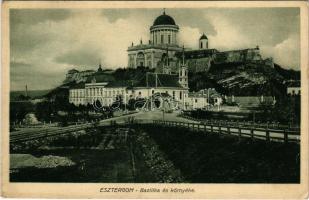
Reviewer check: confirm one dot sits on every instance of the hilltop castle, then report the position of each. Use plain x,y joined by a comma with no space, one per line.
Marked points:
170,61
163,52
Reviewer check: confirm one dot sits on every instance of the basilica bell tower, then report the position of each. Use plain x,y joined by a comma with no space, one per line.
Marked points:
183,71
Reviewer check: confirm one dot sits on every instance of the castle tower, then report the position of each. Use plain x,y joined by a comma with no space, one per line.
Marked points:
203,42
183,71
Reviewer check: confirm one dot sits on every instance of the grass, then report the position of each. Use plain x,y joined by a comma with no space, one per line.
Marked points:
196,157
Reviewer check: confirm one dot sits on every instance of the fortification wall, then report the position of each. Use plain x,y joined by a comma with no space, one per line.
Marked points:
199,64
237,56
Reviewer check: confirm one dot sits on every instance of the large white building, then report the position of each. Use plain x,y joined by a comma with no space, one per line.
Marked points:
102,87
203,99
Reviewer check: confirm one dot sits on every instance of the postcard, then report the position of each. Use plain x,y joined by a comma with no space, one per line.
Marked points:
153,99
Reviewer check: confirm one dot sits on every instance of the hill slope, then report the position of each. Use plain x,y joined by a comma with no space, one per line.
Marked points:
243,79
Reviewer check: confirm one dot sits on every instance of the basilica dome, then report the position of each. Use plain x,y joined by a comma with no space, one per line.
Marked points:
164,19
164,31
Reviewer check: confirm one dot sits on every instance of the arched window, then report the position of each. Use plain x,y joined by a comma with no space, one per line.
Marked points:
201,45
140,60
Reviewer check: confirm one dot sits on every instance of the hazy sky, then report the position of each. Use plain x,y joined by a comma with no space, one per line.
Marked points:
45,43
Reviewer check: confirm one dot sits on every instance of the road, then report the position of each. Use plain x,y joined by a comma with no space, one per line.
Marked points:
148,117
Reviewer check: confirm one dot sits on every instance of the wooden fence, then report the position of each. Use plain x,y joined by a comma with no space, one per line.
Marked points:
268,134
273,125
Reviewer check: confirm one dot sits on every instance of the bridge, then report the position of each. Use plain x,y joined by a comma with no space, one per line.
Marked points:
165,119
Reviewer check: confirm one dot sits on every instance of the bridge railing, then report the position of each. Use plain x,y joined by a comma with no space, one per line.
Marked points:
268,134
274,125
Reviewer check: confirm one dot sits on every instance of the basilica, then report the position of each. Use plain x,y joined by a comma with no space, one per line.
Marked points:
163,52
170,62
161,47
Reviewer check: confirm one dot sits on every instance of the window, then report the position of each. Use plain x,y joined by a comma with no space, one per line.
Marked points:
139,93
173,94
156,39
201,45
169,39
195,100
180,95
152,92
162,39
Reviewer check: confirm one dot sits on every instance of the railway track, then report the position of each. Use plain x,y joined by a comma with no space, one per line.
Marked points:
31,135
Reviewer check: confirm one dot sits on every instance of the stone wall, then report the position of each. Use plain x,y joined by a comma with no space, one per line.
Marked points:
199,64
244,55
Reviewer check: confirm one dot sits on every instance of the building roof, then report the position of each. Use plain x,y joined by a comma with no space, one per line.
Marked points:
199,53
172,47
80,85
164,19
158,80
204,93
162,94
293,84
115,84
203,37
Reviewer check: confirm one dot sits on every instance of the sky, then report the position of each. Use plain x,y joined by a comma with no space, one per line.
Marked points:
46,43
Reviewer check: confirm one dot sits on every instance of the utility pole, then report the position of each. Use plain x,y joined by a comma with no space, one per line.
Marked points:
183,55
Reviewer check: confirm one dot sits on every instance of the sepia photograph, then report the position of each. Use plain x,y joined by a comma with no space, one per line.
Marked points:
155,94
